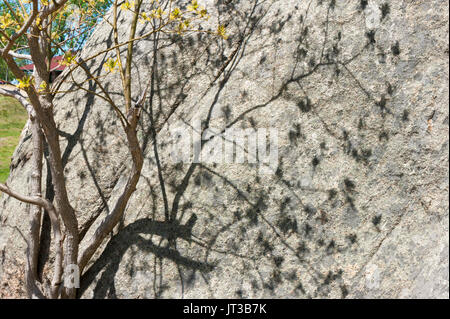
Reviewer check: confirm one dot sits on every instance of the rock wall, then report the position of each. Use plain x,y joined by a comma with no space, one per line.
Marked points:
356,204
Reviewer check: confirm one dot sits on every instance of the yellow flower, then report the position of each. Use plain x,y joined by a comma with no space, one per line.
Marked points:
43,87
110,65
144,17
175,14
193,6
221,31
158,13
69,58
203,13
127,5
180,28
6,21
25,82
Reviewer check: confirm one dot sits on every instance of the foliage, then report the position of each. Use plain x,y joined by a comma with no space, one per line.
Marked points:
69,27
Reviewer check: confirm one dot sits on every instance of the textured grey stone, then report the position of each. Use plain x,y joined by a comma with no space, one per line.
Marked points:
369,220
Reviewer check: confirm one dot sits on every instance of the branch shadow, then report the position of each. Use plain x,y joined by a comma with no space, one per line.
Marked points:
296,220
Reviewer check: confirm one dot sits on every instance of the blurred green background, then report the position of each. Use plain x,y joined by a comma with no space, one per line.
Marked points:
12,120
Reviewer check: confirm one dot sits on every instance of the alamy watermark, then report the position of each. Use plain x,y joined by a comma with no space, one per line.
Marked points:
190,143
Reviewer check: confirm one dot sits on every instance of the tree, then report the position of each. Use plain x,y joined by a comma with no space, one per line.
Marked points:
34,31
69,27
5,74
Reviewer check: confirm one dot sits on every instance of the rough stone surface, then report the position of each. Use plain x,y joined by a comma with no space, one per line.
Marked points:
357,206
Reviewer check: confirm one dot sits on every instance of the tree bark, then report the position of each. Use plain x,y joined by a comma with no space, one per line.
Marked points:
35,210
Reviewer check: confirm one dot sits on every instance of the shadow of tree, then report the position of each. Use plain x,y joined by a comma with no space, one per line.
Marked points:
279,231
133,235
